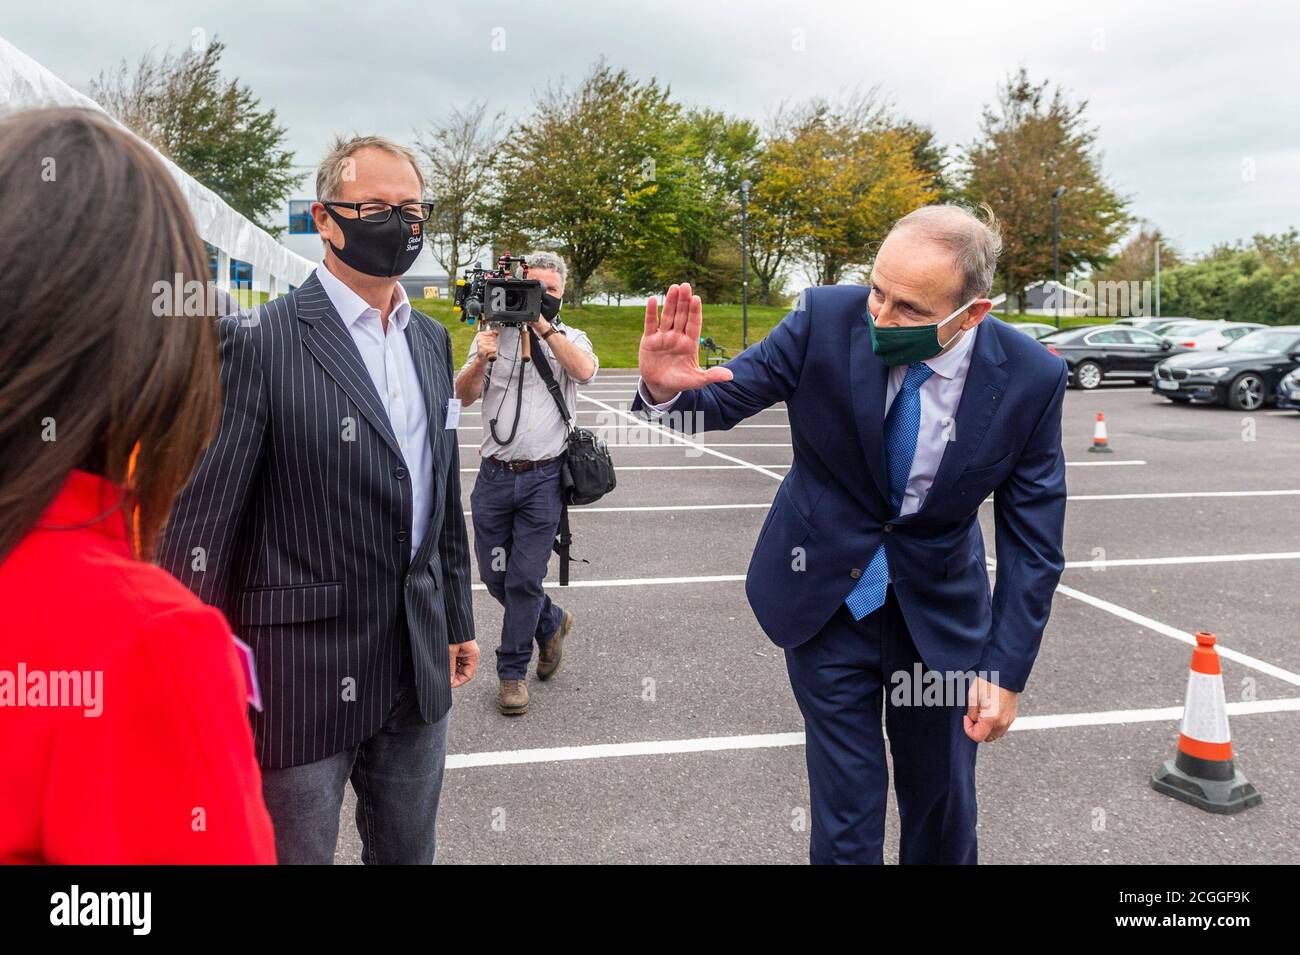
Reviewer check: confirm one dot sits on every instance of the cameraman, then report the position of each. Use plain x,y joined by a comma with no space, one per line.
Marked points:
516,501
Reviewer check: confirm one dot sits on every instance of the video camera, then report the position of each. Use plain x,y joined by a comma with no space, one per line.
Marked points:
495,295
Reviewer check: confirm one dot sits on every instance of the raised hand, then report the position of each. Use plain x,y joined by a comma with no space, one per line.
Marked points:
670,343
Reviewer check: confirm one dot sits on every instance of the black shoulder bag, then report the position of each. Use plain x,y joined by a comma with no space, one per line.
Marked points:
587,469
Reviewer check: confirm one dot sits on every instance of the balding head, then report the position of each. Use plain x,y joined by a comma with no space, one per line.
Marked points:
973,243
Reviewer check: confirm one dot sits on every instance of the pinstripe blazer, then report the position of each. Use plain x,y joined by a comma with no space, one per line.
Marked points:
297,524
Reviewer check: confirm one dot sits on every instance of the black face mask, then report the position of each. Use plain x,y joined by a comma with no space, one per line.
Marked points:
383,249
550,306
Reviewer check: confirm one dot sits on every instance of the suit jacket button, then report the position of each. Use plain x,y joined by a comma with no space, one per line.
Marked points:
855,573
399,473
889,528
400,537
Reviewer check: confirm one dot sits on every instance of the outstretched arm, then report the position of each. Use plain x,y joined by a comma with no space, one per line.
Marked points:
715,398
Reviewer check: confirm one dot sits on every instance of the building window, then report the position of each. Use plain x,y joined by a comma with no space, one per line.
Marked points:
241,273
300,221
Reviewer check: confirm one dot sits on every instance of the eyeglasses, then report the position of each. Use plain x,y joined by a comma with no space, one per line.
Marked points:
383,211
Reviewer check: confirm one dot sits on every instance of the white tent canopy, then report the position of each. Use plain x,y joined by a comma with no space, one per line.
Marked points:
25,84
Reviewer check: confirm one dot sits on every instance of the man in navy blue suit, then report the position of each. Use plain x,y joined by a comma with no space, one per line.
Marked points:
908,406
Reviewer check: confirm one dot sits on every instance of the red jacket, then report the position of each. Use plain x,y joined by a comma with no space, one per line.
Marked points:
165,772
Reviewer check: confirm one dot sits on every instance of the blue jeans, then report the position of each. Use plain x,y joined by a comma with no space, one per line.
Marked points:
515,519
397,778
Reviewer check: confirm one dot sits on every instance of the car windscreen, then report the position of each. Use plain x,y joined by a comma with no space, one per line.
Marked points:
1062,337
1266,340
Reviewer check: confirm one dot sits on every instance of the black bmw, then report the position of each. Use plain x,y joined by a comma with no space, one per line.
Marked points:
1288,391
1108,351
1243,375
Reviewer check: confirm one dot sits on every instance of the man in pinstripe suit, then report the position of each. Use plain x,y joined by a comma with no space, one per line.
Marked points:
326,521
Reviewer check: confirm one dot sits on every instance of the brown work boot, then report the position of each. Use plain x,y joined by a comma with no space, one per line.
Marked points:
550,653
512,698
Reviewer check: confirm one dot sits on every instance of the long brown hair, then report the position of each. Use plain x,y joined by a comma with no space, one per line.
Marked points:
90,376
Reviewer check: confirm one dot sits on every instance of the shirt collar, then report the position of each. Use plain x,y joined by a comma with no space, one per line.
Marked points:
950,363
352,307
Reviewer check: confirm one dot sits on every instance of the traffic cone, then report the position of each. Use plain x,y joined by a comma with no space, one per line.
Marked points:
1099,443
1202,773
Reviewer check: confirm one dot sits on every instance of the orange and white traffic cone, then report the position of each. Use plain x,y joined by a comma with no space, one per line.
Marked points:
1099,442
1202,773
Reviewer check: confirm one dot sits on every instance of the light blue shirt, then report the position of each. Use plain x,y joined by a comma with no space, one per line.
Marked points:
392,368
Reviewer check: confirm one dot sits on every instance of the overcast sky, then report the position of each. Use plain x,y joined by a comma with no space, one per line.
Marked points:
1198,104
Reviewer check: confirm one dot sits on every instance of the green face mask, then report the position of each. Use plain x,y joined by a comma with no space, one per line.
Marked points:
907,344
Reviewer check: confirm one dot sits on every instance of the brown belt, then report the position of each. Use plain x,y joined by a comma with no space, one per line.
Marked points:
518,466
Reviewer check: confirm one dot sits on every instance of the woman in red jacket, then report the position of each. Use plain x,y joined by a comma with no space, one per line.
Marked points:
123,726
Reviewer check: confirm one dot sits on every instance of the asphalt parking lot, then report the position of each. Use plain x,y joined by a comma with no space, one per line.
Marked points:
671,735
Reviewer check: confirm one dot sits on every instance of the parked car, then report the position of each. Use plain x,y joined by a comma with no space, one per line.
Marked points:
1149,322
1181,326
1288,390
1215,336
1035,329
1109,351
1244,375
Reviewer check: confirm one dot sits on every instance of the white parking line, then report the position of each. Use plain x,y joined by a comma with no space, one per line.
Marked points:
655,447
676,467
1122,612
684,441
1172,494
478,427
714,744
1101,464
669,507
1162,561
1182,636
641,581
1134,562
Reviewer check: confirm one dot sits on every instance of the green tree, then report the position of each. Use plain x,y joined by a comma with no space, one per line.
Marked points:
459,153
1136,259
1031,143
1257,281
688,227
213,128
853,173
574,174
931,158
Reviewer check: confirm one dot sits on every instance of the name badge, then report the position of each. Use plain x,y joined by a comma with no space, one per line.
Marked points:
248,663
453,414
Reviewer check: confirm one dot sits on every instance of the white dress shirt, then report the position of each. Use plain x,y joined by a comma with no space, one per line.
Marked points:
940,396
542,432
392,368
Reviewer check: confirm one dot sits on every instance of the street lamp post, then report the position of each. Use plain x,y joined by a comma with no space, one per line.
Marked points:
1157,276
745,186
1056,253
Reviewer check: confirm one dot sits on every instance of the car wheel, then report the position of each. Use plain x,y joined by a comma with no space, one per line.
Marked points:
1246,393
1087,375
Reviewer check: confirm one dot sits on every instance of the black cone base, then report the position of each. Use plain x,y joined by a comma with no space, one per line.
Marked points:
1213,795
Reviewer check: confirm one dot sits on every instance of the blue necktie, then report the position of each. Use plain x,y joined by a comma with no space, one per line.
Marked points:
902,425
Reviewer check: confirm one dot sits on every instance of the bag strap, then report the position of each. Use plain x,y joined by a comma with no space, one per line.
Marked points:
548,376
561,544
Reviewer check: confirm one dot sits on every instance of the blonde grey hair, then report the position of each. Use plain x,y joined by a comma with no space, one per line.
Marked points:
974,242
542,259
333,169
